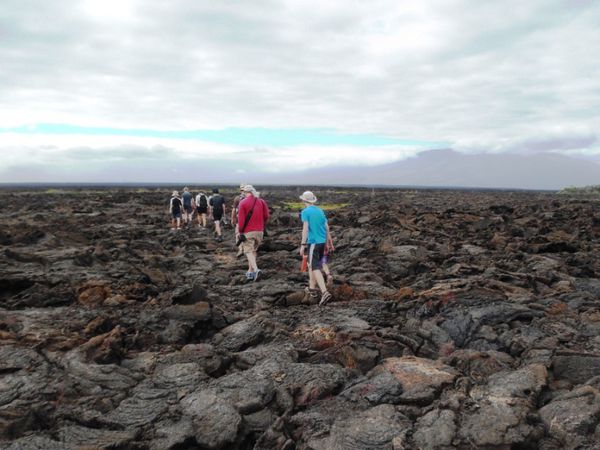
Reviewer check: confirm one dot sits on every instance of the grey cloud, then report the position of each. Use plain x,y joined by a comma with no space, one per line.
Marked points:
497,70
122,164
555,144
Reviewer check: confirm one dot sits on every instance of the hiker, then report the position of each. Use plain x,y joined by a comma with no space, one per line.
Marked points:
252,216
315,239
236,204
188,199
175,207
216,203
201,209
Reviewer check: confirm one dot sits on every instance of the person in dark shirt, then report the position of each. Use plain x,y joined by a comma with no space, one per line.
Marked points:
175,207
216,202
201,209
187,199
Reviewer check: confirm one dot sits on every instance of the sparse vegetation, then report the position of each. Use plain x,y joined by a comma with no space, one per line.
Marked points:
292,206
585,190
65,191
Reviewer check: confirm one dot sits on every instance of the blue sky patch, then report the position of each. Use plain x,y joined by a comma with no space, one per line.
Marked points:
235,136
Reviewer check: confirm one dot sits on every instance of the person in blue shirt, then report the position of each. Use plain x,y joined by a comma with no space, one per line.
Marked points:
315,238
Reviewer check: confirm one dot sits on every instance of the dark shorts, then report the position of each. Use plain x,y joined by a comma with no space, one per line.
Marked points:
315,255
188,208
202,210
176,214
217,214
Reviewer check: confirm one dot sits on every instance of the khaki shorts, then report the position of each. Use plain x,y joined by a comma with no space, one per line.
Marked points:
253,240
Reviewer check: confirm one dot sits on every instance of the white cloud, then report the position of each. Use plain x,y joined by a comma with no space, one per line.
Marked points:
116,153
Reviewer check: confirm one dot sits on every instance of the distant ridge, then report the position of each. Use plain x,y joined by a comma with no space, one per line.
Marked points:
439,169
447,168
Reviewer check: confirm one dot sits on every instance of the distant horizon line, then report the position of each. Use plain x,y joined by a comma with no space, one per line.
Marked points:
108,185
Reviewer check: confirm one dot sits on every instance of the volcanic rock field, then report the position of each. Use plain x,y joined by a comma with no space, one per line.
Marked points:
460,320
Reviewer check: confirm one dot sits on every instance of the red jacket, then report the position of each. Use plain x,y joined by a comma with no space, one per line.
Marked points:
259,216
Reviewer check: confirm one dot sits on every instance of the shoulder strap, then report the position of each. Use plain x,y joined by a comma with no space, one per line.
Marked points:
248,216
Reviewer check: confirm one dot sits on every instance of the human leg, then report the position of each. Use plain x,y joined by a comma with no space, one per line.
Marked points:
252,265
319,280
217,216
250,247
315,265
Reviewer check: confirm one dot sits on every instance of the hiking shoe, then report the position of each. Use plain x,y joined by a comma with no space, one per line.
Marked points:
257,274
313,293
325,298
220,239
250,276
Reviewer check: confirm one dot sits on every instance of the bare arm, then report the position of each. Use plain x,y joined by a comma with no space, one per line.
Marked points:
304,238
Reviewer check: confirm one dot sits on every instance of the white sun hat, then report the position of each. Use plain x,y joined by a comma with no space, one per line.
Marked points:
308,197
175,194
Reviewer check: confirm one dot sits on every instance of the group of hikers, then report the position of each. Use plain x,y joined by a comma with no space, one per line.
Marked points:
249,215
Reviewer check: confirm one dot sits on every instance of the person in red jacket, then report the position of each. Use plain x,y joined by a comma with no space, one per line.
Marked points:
253,213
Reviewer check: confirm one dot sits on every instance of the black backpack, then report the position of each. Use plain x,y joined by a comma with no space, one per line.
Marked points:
203,202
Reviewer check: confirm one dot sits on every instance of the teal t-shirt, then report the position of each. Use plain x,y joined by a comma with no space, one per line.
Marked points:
317,233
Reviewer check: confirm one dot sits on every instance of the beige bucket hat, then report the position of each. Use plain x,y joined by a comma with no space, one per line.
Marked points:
308,197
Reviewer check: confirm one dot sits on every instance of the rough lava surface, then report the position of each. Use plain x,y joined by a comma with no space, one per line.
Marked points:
460,319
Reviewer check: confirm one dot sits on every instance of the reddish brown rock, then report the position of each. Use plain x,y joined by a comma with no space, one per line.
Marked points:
93,293
105,348
420,378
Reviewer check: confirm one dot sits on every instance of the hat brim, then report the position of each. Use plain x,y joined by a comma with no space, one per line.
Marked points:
307,200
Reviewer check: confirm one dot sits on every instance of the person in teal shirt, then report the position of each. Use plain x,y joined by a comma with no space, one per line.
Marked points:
316,238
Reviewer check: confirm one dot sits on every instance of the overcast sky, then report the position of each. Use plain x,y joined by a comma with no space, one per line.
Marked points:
104,90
